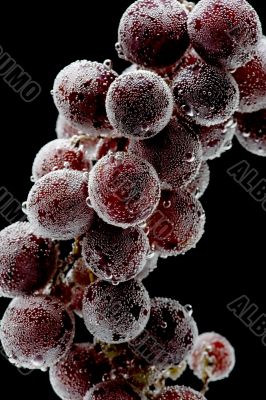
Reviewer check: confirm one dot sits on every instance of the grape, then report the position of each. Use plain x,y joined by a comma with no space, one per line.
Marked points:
113,253
198,186
251,80
175,153
113,390
110,144
59,154
169,335
27,262
124,190
64,130
150,266
116,313
81,368
180,393
205,93
36,331
79,94
177,224
212,358
153,33
251,131
139,104
224,33
56,205
216,139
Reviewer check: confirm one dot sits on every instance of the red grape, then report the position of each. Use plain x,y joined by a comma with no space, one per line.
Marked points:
251,131
113,253
205,93
177,224
27,262
212,358
124,190
56,205
79,94
81,368
175,153
59,154
139,104
224,32
180,393
113,390
251,80
199,184
36,331
216,139
153,33
116,313
169,335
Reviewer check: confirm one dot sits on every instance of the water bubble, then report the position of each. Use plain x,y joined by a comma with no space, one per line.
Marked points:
167,203
108,64
24,207
189,309
88,202
32,179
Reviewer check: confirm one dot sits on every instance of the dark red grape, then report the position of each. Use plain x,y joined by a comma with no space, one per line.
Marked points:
124,190
78,371
169,335
224,32
251,131
27,262
199,184
56,205
212,358
153,33
177,224
79,94
175,153
251,80
59,154
115,254
113,390
217,139
206,93
139,104
116,313
36,331
180,393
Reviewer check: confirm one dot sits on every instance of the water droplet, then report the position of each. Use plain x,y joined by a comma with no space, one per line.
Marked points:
86,176
189,309
150,254
66,164
108,64
88,202
24,207
164,325
119,158
187,110
32,179
167,204
37,361
52,92
190,157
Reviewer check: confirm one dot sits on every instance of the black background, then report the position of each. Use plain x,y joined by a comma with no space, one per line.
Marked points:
230,259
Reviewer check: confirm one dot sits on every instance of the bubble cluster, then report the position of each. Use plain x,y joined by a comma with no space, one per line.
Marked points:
124,190
79,94
27,262
177,224
251,131
206,93
175,153
169,335
116,313
139,104
36,331
56,205
115,254
153,33
224,32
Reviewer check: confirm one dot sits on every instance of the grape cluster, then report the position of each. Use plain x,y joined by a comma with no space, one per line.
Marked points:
121,184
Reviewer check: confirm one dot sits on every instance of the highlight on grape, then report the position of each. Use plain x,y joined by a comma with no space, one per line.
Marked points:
118,190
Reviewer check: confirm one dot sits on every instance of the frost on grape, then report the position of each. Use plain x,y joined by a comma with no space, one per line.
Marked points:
175,153
79,94
56,205
199,184
180,393
150,265
115,254
36,331
116,313
112,390
139,104
207,94
27,262
124,189
64,130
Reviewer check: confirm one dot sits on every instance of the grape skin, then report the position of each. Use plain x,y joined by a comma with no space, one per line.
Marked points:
114,390
180,393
